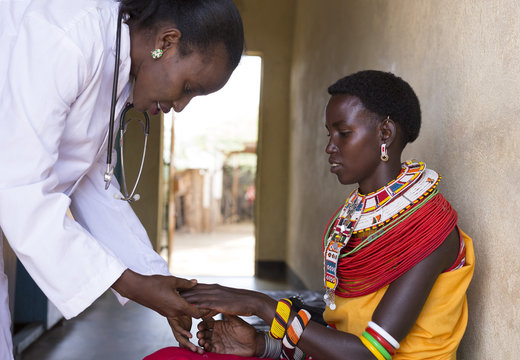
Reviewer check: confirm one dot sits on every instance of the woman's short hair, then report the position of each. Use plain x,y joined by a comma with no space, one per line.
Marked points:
385,94
202,23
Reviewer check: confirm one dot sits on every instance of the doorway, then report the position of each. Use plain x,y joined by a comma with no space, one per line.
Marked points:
213,178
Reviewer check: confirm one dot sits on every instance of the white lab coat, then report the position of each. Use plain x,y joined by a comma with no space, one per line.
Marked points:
56,76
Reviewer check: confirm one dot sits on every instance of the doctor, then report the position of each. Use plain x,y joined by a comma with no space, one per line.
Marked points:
56,76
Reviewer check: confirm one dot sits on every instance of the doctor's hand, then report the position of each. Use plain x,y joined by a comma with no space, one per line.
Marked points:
181,326
157,292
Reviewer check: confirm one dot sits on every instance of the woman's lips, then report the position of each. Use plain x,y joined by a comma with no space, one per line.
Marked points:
334,167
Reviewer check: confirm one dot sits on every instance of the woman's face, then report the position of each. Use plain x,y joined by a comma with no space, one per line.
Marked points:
354,144
173,80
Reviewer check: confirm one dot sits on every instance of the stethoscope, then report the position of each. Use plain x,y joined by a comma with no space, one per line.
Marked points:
132,196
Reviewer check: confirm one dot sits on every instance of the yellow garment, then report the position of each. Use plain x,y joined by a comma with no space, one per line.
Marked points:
440,325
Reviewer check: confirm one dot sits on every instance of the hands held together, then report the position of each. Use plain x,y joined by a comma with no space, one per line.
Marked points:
232,335
180,300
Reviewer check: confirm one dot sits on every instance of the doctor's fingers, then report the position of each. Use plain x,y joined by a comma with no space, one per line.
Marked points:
182,284
182,307
181,331
181,325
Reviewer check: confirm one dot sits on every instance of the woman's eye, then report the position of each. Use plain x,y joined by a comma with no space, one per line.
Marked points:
344,133
187,89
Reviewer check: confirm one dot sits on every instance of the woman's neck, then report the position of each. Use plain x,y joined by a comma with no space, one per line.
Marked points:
385,173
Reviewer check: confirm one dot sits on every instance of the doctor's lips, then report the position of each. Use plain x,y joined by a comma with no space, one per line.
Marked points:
159,107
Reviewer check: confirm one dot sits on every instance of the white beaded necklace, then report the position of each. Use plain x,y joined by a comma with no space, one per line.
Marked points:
369,212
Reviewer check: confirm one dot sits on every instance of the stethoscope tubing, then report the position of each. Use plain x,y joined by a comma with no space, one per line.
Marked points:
110,170
122,128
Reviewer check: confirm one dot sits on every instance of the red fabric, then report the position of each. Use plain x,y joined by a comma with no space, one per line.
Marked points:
177,353
397,251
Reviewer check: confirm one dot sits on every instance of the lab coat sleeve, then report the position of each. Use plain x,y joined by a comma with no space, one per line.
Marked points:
46,73
113,223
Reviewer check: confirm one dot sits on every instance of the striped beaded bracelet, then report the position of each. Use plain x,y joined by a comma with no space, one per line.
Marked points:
281,317
295,331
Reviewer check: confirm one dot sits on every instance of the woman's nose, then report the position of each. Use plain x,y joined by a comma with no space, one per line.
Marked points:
331,148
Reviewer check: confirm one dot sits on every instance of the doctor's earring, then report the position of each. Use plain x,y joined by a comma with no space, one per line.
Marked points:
157,53
384,153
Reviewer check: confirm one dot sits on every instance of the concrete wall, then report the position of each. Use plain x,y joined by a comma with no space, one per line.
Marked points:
268,26
463,59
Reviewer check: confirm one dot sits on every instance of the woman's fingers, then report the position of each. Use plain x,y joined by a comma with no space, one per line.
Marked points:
206,324
205,333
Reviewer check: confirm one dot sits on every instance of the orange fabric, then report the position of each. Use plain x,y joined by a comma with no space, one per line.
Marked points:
440,325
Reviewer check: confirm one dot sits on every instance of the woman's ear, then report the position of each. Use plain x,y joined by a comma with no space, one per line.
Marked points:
388,131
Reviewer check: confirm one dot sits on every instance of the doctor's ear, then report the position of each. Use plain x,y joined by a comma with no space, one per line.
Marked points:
168,39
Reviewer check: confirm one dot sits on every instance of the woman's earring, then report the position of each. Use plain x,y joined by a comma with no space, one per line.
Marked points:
157,53
384,152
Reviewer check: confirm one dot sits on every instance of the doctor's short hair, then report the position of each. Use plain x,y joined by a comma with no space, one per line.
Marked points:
384,94
202,23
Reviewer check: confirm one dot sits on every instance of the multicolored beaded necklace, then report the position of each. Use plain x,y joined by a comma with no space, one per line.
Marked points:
371,212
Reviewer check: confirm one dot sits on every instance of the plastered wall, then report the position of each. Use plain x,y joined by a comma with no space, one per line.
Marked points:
463,59
268,27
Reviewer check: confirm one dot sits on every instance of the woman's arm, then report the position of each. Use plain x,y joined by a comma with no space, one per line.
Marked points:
396,313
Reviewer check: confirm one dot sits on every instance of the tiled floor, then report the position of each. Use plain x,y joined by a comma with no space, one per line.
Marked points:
108,331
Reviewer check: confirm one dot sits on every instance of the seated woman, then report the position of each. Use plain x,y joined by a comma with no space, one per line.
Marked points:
396,264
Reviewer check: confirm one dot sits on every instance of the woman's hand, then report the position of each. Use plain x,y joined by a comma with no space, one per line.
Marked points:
230,336
231,301
157,292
